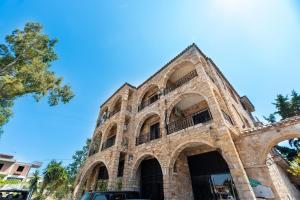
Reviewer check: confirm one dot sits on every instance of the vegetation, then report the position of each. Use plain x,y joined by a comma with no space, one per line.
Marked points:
288,106
78,160
295,166
25,62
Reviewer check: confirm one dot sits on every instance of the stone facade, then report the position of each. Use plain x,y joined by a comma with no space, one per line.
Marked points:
187,108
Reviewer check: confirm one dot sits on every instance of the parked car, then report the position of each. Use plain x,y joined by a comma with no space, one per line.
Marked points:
123,195
15,194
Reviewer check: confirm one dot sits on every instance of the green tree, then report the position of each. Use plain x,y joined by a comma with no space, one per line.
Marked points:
78,160
55,177
286,106
25,62
34,181
295,166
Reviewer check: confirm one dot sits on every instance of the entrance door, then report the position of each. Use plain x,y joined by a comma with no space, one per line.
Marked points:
151,180
211,179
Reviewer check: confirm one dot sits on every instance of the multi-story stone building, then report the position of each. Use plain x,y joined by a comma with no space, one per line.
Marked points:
185,133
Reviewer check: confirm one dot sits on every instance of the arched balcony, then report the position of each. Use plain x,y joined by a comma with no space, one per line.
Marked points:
151,96
116,107
190,110
181,76
95,145
111,138
150,130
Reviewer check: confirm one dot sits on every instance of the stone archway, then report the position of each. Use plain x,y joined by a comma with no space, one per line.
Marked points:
185,158
254,147
89,177
147,177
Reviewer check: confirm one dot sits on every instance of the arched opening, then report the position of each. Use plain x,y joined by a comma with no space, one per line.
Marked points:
203,172
190,110
183,74
151,96
95,145
111,137
96,179
150,178
116,107
150,130
281,152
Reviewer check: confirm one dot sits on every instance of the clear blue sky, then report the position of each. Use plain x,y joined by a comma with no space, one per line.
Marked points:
101,45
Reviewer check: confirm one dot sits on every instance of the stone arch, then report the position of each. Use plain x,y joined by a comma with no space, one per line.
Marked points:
108,128
89,170
138,161
117,100
176,152
173,69
180,98
96,142
136,174
145,90
270,140
143,119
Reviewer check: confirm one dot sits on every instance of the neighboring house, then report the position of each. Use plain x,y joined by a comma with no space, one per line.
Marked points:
185,133
13,169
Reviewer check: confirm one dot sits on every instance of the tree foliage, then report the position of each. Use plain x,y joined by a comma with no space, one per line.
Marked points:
295,166
55,178
25,62
286,106
78,160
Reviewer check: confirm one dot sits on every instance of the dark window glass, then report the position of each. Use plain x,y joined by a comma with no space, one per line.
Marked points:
20,168
1,165
201,117
154,131
121,168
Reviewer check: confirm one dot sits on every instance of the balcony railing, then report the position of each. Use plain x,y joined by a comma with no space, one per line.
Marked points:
108,143
144,138
114,112
182,81
148,102
192,120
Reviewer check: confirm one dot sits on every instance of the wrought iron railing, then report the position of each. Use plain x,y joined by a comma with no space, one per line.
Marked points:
192,120
112,113
181,81
108,143
144,138
148,102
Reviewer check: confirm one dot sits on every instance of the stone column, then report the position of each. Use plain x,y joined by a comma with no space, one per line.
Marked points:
238,173
262,174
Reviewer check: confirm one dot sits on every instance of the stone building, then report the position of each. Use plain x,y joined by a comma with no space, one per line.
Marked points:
185,133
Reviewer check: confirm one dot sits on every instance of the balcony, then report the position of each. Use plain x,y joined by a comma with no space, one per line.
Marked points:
144,138
189,121
186,78
108,143
148,102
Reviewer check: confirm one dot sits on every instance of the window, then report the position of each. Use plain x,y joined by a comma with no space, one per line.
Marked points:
154,131
121,168
1,166
20,168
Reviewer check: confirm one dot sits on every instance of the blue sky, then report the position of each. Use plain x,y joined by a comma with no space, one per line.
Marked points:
102,44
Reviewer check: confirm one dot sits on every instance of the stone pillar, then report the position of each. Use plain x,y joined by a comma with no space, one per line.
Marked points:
112,182
235,165
262,174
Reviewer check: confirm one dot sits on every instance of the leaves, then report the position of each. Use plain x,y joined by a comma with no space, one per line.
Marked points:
295,166
25,62
78,160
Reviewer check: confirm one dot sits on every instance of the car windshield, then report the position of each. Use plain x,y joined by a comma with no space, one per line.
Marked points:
13,194
86,196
